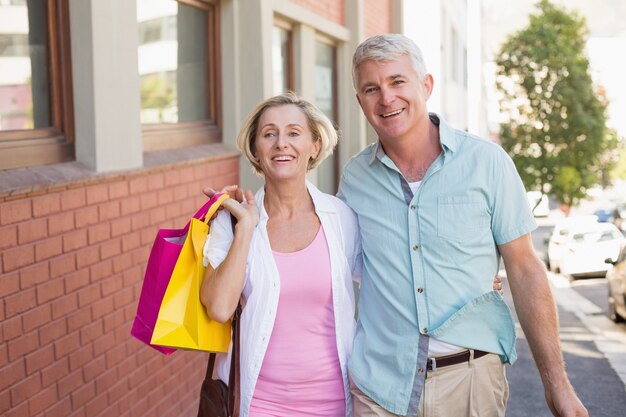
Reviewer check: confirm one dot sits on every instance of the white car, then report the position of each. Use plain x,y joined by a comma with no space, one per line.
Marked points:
559,236
539,203
587,248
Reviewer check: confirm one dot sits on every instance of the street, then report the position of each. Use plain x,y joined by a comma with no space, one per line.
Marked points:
593,346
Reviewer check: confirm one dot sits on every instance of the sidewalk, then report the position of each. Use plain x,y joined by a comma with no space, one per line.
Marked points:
595,355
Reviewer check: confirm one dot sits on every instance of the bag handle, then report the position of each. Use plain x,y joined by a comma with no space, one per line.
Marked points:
217,202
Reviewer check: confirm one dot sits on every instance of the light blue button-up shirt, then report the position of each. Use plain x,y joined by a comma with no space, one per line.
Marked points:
429,260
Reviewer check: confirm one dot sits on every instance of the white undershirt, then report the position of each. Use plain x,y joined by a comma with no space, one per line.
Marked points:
435,346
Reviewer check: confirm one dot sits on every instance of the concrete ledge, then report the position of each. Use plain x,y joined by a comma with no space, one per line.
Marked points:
23,182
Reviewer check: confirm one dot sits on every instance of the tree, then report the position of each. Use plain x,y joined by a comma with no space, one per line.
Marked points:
555,129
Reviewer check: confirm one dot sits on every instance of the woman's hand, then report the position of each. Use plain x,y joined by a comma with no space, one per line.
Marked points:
241,205
497,284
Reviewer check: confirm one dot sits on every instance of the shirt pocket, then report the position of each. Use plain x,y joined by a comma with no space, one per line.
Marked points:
460,218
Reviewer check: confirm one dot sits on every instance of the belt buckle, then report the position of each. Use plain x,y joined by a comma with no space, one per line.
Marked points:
433,364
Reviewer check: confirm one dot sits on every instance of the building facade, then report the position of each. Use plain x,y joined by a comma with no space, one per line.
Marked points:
113,117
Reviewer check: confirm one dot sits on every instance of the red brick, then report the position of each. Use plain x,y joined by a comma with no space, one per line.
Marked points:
114,320
88,256
72,199
157,216
8,237
115,356
48,248
122,262
180,193
15,211
61,408
120,226
97,193
46,204
4,355
112,284
22,345
64,305
70,383
186,175
103,344
10,284
123,297
101,308
36,317
31,230
94,368
173,211
80,358
148,235
11,374
43,400
88,295
75,240
76,280
109,210
96,406
20,302
131,241
54,372
39,359
66,345
107,379
165,196
77,319
118,391
91,332
20,410
12,328
18,257
5,401
99,233
118,189
86,216
138,185
148,201
155,181
62,265
101,270
49,291
82,395
60,223
130,205
110,248
52,331
132,276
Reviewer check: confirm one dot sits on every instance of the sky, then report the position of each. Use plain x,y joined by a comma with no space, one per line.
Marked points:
606,45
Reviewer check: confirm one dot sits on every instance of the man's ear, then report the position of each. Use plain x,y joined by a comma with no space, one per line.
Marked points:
428,83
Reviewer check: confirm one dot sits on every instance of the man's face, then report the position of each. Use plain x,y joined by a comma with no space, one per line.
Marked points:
392,96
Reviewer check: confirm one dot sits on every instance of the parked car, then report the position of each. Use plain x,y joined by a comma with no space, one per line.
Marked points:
539,203
556,241
587,248
616,279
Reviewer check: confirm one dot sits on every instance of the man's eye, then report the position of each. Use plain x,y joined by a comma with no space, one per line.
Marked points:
370,90
398,82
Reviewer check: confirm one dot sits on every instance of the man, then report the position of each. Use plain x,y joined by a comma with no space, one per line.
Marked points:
436,208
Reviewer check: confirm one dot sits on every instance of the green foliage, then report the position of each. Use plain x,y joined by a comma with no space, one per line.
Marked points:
618,171
555,131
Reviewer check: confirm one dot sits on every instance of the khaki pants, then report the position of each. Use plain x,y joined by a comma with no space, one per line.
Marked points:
477,388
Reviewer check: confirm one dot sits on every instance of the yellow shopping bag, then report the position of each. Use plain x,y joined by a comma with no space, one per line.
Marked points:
183,322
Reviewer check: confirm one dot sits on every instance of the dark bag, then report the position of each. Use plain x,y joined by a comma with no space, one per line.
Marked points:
216,399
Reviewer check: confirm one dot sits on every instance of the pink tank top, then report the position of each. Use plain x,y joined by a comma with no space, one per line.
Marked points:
301,374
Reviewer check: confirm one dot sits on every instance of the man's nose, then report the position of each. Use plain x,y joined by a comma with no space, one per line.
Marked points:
386,97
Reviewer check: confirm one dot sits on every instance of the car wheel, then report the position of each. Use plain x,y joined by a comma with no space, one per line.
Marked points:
613,315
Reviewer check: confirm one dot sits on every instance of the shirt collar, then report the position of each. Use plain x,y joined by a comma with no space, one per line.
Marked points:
448,139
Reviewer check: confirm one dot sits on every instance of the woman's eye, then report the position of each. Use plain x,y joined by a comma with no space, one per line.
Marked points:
294,134
268,134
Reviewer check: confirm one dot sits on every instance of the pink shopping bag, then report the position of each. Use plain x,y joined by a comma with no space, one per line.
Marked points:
163,256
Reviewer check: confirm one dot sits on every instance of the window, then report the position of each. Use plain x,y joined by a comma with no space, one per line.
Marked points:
326,100
282,78
178,70
36,117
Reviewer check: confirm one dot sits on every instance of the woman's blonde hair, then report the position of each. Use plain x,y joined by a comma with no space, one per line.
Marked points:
321,128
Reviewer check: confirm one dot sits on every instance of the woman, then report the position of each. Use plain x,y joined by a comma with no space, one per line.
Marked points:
291,259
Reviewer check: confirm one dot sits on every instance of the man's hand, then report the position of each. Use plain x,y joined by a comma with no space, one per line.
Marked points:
563,401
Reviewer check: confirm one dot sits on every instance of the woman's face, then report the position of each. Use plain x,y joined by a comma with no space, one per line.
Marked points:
284,143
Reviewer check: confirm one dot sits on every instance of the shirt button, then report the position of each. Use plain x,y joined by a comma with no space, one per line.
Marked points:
415,247
420,371
424,330
420,290
413,207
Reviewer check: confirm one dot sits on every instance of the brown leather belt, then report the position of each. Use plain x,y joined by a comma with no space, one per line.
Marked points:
433,363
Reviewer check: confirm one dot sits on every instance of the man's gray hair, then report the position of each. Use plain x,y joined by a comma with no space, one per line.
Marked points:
386,48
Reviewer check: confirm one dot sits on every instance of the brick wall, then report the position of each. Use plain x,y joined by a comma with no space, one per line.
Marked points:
328,9
72,263
377,17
